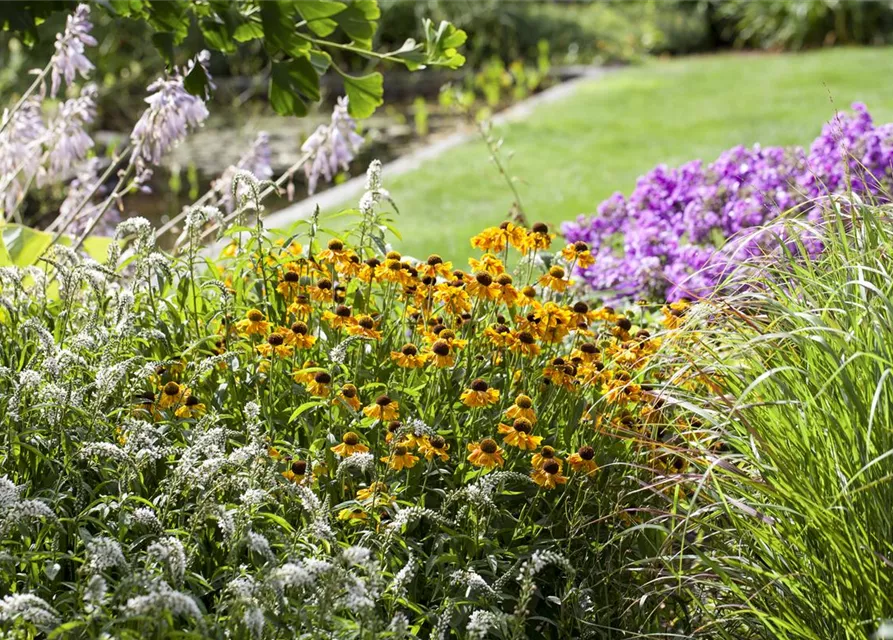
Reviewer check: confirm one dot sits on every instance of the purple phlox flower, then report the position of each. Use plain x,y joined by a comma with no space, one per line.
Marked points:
331,146
172,112
69,58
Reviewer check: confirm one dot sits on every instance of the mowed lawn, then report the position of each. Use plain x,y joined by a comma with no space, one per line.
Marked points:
571,154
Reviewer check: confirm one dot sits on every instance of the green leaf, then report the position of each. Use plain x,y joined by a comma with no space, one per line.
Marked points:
304,407
365,93
197,82
169,17
317,14
358,22
24,245
280,32
293,85
218,35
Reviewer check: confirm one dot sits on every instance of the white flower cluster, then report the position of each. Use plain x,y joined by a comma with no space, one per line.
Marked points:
480,622
15,511
28,607
104,553
163,600
170,553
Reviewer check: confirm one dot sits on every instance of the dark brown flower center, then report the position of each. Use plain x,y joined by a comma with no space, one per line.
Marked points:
479,384
291,276
366,322
342,312
171,389
523,426
393,255
540,227
580,246
255,316
483,278
441,348
489,446
434,260
335,244
299,467
525,337
275,339
551,467
324,284
349,391
625,324
351,439
409,350
383,401
586,452
588,348
556,272
581,307
299,328
523,401
322,378
438,442
191,401
504,279
547,452
400,450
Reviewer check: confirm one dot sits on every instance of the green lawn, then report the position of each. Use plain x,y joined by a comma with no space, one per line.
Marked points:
572,154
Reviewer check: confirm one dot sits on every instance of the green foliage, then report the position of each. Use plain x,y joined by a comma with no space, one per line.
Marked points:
790,533
298,37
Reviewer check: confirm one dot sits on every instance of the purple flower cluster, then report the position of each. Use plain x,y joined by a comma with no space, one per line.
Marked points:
670,238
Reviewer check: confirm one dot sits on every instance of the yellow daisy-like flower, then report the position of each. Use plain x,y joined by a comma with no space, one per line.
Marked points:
489,263
302,375
508,295
525,343
453,297
342,317
172,394
485,453
480,394
376,495
275,345
523,408
578,253
554,279
499,335
435,267
350,444
400,458
334,252
301,306
518,434
298,335
435,446
253,324
289,284
296,472
365,326
545,454
353,514
408,357
441,354
483,287
495,239
192,407
583,460
383,409
539,237
321,385
350,396
322,290
548,476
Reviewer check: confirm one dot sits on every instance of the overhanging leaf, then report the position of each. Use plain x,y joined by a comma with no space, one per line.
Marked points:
365,93
293,85
317,13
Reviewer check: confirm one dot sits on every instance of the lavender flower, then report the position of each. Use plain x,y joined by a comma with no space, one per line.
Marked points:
19,151
69,58
172,112
257,161
331,146
67,140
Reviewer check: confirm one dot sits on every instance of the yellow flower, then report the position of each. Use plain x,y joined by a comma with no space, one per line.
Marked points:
334,252
525,343
350,396
172,394
485,453
480,394
495,239
298,336
320,385
554,279
383,409
350,444
453,297
400,458
191,408
483,287
301,306
297,472
434,267
353,514
376,495
489,263
582,460
578,253
508,295
523,408
302,375
518,434
342,317
499,335
322,290
539,237
434,446
289,284
546,454
365,326
275,345
408,357
548,476
253,324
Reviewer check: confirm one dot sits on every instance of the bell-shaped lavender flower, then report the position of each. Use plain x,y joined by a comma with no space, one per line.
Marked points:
331,146
172,112
257,161
20,156
67,141
69,59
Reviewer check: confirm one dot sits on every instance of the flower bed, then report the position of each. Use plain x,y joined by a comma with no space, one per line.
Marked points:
667,239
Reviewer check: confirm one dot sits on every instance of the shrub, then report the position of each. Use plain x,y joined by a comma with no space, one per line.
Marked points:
669,238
